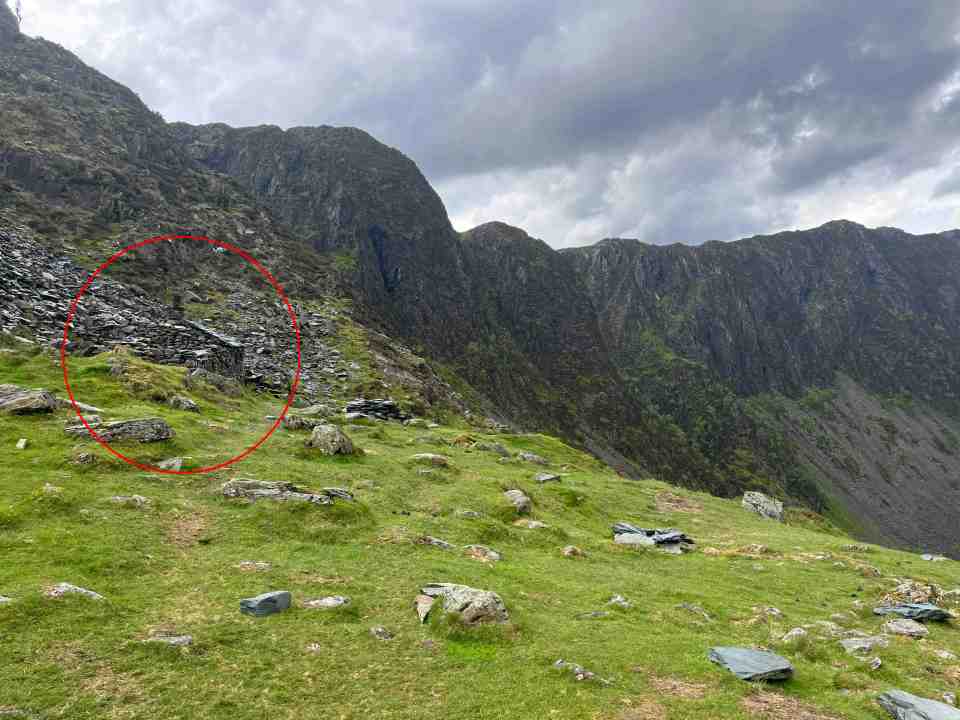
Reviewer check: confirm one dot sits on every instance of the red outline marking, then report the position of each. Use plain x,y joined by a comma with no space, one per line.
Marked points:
152,241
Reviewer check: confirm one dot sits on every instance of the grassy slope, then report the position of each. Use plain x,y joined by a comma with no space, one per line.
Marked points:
174,564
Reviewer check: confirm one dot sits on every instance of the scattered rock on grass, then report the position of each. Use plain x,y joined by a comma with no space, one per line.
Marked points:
330,440
253,490
794,635
670,539
168,638
436,542
533,458
144,430
4,600
863,645
620,601
519,500
696,610
254,566
430,459
266,604
572,551
763,505
579,673
473,606
61,589
327,603
546,477
909,628
131,501
904,706
752,665
483,553
530,524
22,444
933,558
381,633
493,447
182,402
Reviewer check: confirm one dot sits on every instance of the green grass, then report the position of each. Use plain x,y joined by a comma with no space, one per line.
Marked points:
173,564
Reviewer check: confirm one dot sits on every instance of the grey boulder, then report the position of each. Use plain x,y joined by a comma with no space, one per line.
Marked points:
904,706
752,665
763,505
910,628
546,477
330,440
519,500
266,604
474,606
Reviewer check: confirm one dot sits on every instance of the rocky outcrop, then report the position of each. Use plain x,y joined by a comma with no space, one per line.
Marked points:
473,606
763,505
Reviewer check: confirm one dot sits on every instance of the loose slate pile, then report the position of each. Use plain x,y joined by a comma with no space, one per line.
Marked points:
253,490
752,665
669,539
380,409
39,289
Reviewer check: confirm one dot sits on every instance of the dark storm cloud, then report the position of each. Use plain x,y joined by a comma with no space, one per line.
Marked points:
669,119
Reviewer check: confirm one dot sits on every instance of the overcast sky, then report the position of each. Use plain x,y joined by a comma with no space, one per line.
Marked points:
664,120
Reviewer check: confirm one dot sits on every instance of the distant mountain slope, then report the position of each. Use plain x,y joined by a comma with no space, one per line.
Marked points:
786,312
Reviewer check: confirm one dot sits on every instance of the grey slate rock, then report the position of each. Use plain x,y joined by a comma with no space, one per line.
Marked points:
909,628
327,603
61,589
862,646
915,611
533,458
143,430
752,665
266,604
546,477
904,706
253,490
627,534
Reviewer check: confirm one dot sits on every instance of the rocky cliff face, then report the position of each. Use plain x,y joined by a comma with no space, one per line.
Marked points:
787,312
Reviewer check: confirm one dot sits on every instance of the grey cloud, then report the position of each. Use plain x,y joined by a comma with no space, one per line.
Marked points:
760,103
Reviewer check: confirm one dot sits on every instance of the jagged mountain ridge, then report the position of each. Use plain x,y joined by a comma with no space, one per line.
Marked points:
559,341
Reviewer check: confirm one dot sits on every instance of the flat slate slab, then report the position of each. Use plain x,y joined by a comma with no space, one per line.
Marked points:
915,611
748,664
266,604
904,706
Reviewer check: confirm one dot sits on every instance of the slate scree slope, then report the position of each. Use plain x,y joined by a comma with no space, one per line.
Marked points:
820,366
